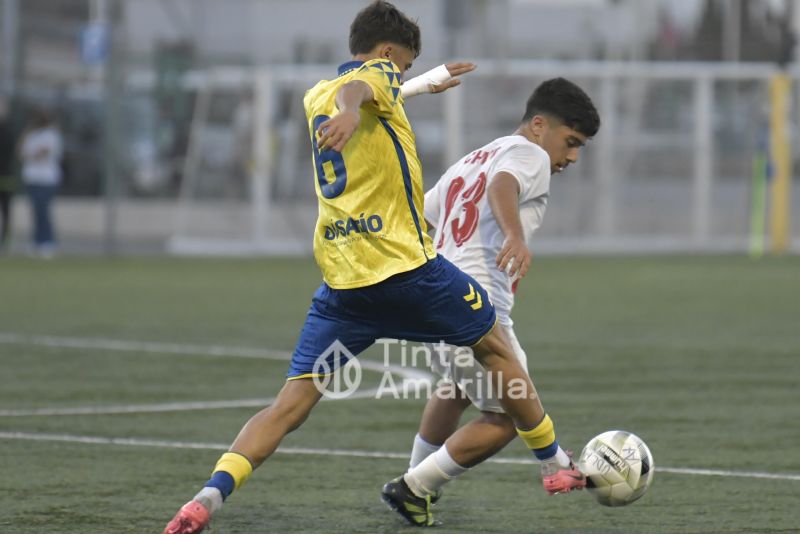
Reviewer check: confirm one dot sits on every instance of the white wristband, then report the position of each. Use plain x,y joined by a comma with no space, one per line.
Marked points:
425,82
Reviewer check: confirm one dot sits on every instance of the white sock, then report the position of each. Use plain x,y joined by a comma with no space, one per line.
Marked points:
561,458
433,472
211,498
422,449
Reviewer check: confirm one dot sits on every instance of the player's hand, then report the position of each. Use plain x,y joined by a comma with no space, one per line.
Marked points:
334,133
455,69
514,257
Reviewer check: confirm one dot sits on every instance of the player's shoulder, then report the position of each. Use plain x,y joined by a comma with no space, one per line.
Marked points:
520,145
379,65
317,88
512,148
323,93
383,73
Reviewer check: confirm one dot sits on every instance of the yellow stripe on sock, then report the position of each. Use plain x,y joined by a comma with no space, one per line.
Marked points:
543,435
236,465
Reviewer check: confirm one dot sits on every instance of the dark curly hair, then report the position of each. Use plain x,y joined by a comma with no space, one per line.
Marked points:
382,22
563,100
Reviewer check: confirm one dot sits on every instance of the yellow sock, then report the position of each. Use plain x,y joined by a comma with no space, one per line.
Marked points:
541,439
236,465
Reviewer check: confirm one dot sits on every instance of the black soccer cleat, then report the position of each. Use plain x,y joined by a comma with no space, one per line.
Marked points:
399,497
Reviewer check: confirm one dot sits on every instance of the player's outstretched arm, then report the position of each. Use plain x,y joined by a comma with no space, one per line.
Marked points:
504,201
335,132
436,80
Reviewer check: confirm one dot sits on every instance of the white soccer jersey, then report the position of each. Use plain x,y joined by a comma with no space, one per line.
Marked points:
467,233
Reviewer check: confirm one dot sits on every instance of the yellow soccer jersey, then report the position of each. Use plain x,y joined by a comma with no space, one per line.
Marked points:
371,223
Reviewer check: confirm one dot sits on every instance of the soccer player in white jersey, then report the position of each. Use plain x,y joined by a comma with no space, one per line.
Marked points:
485,208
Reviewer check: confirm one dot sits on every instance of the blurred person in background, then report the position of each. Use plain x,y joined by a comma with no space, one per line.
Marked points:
7,143
40,151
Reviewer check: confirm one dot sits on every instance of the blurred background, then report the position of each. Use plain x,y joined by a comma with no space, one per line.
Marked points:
182,129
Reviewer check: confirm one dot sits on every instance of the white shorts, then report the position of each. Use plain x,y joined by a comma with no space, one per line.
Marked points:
470,377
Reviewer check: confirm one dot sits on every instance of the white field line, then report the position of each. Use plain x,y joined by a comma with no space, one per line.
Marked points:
164,407
138,442
61,342
8,338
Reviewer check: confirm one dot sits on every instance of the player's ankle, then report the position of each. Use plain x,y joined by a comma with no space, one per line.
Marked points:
421,450
415,486
559,460
563,459
211,498
433,472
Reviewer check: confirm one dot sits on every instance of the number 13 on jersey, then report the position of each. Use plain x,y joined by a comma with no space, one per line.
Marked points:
463,224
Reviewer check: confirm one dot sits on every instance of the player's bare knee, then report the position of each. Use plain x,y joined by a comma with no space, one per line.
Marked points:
287,415
449,399
500,420
289,411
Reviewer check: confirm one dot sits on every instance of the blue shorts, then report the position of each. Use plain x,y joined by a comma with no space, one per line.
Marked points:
434,302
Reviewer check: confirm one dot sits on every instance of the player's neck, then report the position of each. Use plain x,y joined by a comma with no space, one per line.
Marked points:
365,57
525,131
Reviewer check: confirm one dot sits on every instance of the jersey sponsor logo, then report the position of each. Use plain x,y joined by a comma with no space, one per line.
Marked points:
344,227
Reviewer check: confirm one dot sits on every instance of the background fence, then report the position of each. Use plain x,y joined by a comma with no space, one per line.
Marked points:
671,168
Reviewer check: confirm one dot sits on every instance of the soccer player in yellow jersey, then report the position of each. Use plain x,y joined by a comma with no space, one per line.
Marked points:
382,276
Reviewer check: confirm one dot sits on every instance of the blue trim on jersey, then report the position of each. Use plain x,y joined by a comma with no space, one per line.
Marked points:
547,452
401,155
350,65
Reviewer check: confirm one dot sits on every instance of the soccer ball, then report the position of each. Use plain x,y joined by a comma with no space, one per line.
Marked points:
619,467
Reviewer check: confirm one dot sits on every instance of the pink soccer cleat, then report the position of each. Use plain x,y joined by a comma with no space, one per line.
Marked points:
193,517
562,480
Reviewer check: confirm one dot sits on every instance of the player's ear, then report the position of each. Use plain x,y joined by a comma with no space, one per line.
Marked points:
385,50
538,125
